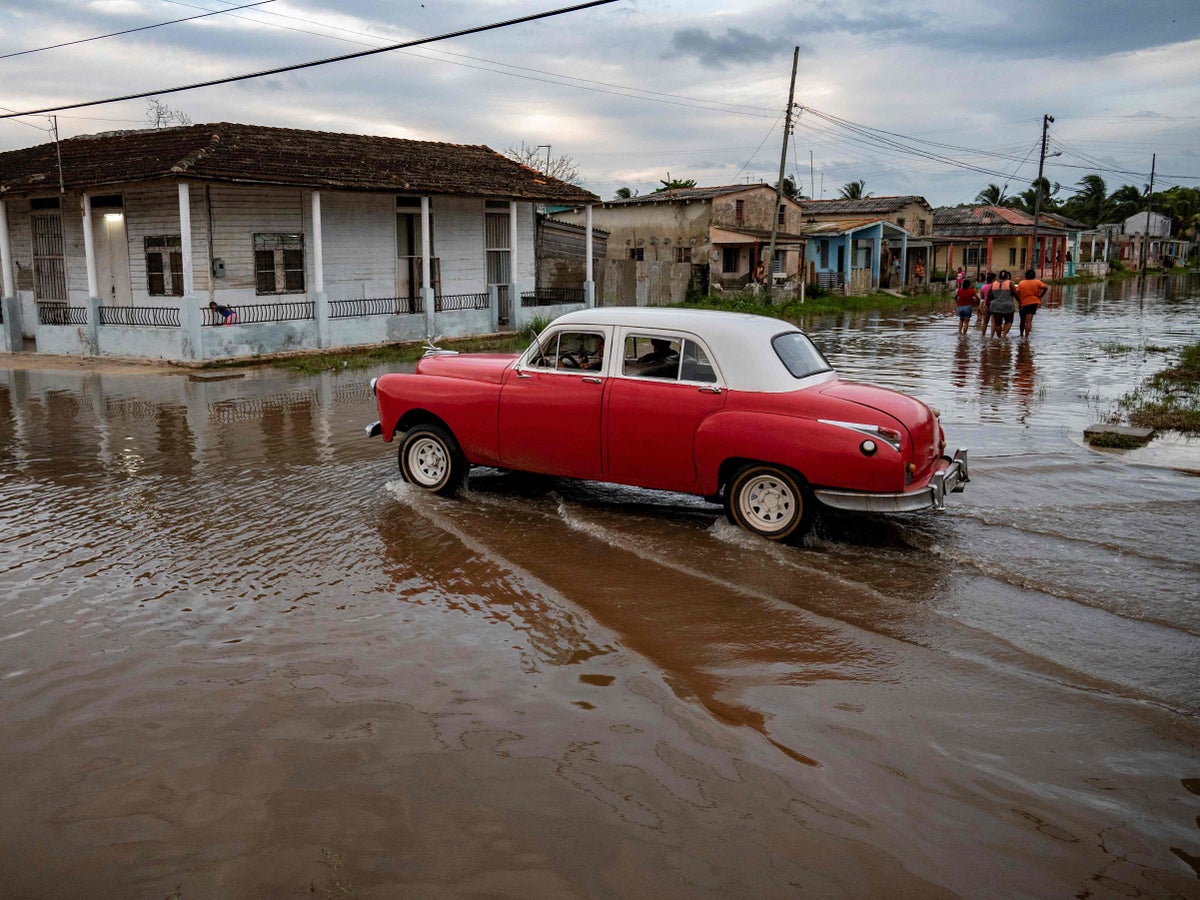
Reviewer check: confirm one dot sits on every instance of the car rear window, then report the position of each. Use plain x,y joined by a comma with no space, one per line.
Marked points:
799,354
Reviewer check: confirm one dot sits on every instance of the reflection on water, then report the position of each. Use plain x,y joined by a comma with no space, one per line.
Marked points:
238,655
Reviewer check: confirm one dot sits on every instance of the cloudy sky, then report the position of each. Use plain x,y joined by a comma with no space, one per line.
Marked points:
932,97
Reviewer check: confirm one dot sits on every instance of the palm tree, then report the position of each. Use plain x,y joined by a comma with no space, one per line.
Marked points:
1027,200
855,190
623,193
1090,204
674,184
1124,202
993,195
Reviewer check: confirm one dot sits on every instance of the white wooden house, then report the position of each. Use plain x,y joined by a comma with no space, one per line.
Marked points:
117,243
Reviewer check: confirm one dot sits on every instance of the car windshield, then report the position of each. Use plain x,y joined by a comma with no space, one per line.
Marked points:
799,354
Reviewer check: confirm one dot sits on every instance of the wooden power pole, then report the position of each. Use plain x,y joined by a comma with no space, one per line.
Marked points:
769,268
1149,204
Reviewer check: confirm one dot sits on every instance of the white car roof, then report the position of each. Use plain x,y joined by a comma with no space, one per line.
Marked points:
740,342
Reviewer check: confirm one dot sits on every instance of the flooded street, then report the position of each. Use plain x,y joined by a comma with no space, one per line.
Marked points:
240,658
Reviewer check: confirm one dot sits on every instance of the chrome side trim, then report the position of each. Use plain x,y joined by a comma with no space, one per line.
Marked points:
950,480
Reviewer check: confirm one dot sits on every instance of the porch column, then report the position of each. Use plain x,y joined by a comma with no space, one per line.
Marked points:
514,288
10,308
1071,269
876,247
427,300
89,248
185,239
589,282
320,301
6,254
849,273
904,259
989,255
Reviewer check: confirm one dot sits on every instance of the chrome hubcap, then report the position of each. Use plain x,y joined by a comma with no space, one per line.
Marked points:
427,462
767,503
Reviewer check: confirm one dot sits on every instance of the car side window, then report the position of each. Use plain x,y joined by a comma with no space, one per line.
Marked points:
568,350
651,356
696,366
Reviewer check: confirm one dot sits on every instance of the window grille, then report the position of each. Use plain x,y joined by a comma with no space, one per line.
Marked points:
279,263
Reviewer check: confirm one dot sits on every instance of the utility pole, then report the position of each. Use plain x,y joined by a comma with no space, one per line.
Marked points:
1149,203
1037,197
547,146
787,130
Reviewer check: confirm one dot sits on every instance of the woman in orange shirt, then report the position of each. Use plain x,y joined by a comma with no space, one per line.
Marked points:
1030,291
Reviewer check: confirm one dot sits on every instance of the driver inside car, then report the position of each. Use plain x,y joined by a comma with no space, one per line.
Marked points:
593,359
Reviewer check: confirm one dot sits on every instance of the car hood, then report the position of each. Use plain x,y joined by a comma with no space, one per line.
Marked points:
489,367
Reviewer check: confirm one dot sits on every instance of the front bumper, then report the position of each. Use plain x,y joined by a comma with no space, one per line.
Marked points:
375,429
950,480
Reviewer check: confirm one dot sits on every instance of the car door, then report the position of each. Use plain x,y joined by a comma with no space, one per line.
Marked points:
663,387
550,406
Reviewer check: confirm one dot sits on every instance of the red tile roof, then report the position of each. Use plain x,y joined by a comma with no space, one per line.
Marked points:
256,154
864,207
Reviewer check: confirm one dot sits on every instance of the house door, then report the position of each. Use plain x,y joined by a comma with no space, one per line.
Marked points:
112,258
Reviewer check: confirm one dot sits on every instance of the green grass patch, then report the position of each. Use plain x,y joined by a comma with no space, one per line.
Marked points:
1170,399
370,357
1113,440
792,310
1114,348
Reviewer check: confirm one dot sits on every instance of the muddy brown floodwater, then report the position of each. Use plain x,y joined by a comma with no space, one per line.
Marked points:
240,658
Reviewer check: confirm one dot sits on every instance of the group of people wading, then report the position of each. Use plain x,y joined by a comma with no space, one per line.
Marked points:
998,300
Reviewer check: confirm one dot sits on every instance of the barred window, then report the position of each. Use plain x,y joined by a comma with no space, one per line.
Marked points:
279,263
164,265
49,269
683,254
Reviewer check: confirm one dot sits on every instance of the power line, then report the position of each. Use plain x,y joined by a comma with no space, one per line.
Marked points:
100,37
621,90
322,62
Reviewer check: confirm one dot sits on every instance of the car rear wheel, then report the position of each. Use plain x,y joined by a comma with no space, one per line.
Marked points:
769,501
430,459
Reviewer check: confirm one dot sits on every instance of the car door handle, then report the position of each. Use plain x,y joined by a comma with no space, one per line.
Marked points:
709,390
591,379
521,374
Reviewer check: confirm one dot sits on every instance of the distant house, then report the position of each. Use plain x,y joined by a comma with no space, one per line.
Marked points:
991,238
660,243
907,243
1153,230
324,239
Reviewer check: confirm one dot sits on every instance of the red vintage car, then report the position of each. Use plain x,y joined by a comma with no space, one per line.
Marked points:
740,409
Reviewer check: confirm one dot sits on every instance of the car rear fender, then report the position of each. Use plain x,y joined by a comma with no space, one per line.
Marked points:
824,455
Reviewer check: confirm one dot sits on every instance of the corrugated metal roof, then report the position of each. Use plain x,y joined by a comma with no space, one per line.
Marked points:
866,206
227,152
842,226
982,221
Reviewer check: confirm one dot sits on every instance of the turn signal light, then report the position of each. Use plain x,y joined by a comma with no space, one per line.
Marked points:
868,448
912,468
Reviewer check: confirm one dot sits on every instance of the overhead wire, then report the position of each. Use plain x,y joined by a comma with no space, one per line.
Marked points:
620,90
478,29
100,37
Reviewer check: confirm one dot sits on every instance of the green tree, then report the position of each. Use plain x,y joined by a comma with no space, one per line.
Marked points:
1090,203
1124,202
624,193
1026,200
1182,204
791,190
855,190
993,195
674,184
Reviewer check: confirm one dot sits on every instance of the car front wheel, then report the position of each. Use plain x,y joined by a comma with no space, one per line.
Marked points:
430,459
769,501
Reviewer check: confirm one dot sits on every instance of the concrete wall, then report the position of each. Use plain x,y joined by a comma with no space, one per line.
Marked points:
140,343
630,283
658,229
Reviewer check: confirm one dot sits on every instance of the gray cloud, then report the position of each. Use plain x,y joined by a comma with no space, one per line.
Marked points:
720,51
